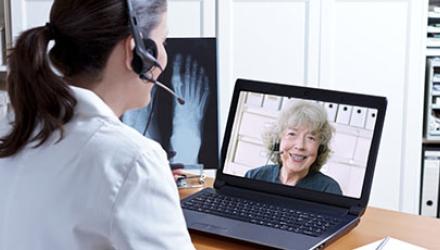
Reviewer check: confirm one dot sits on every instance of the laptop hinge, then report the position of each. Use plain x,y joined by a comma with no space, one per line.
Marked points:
219,183
356,210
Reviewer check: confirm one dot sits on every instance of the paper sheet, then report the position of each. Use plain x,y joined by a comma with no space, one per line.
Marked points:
392,244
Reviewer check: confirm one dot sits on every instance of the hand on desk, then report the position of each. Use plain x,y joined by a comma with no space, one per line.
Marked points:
177,173
188,180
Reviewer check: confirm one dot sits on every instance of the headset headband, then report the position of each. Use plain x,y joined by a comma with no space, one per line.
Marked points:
146,59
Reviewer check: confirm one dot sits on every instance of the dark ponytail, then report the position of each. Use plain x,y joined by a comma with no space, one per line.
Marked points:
37,95
85,32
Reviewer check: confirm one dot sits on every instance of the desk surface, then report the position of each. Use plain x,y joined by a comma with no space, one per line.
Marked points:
375,224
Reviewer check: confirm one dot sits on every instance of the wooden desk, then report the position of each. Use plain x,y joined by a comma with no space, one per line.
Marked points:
375,224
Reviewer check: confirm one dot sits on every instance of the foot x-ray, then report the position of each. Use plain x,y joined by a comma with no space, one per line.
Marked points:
189,132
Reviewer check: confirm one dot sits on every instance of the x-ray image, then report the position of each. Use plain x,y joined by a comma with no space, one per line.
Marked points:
189,132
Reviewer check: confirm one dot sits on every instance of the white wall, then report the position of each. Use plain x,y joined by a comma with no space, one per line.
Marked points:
365,49
192,18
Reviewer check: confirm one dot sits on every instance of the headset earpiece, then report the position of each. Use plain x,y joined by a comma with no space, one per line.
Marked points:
139,65
151,47
276,147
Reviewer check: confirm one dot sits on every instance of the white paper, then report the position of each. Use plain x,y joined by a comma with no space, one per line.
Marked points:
392,244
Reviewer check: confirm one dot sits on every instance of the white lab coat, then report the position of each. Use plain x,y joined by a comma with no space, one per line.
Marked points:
104,186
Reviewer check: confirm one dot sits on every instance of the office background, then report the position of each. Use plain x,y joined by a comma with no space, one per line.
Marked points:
373,47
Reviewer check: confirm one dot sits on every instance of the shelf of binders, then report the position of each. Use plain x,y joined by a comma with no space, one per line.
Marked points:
433,52
434,14
433,42
433,29
434,136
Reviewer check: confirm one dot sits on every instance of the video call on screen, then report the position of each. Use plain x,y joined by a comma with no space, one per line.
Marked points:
350,144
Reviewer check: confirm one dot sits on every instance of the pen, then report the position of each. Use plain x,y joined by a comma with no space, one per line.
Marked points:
382,243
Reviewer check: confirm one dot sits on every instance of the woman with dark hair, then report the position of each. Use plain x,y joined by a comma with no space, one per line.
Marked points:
72,175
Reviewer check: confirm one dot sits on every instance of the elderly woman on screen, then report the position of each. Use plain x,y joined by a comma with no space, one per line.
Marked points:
299,145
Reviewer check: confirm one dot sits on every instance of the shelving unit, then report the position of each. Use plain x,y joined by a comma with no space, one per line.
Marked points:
431,135
433,14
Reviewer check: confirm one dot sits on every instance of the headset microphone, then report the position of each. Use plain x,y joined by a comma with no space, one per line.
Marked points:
180,100
145,54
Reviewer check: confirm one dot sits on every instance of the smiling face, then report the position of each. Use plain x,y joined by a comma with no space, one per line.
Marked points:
299,149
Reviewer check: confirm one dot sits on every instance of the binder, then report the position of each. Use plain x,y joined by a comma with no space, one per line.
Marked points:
344,113
331,109
371,119
358,117
430,188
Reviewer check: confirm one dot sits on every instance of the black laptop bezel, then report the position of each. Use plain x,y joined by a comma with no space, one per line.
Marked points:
324,95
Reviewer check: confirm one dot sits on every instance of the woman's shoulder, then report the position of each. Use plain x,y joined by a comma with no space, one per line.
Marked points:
115,151
132,138
327,182
120,142
261,171
323,178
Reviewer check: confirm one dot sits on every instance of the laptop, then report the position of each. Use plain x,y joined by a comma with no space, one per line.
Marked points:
267,191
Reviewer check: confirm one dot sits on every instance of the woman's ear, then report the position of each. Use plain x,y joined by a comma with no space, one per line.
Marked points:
129,50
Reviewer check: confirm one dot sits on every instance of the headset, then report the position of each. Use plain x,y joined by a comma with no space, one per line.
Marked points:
276,147
274,150
145,54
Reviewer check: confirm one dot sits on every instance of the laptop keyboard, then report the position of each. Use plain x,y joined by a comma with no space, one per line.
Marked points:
262,214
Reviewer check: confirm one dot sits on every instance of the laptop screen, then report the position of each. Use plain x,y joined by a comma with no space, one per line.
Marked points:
309,144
